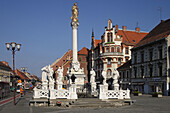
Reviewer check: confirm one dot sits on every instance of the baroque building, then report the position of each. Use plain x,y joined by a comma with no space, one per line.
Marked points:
150,61
113,49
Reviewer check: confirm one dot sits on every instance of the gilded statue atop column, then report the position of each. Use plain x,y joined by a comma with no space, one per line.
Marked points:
75,13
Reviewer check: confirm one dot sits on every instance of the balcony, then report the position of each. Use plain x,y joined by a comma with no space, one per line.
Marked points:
112,54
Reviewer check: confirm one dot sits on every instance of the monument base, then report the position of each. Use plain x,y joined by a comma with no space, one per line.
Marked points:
79,79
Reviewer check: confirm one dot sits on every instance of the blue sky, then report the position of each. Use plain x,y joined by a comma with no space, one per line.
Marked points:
43,26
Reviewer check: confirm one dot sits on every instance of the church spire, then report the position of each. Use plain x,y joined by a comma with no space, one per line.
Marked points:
92,33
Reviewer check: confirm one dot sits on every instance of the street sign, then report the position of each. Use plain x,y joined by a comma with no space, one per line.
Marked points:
19,81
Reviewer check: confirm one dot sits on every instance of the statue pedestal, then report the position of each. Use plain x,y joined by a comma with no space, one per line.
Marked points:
116,86
93,89
51,85
103,90
79,80
45,85
59,86
72,90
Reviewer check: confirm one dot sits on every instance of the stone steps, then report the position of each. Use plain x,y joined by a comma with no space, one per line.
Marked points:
95,102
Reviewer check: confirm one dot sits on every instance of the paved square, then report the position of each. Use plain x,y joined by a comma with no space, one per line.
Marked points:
143,104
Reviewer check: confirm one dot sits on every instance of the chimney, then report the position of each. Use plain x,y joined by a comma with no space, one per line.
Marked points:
6,63
137,29
116,27
124,28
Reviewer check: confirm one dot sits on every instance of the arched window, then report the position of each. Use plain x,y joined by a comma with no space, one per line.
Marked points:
111,37
107,49
108,37
112,49
118,49
109,61
109,72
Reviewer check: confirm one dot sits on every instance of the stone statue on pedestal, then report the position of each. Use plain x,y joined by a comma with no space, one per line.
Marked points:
44,74
60,75
59,78
92,74
50,74
104,76
115,76
115,79
44,77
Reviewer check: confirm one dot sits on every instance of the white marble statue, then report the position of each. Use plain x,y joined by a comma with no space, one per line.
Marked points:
104,76
44,74
115,76
60,75
50,74
92,76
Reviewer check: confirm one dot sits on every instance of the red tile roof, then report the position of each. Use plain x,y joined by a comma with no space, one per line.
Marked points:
131,37
21,74
84,50
4,65
96,42
162,30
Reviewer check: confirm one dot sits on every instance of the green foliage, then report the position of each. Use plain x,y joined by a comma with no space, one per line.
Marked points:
136,92
109,42
154,93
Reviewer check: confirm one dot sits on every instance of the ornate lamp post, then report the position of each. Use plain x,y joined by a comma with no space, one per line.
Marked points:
12,47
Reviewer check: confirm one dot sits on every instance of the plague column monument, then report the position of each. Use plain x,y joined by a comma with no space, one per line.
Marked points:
75,73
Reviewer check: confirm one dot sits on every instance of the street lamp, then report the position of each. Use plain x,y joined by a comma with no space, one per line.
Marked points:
12,46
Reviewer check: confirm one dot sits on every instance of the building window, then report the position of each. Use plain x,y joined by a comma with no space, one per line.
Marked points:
127,74
160,70
126,58
123,75
150,55
107,49
160,52
142,71
108,37
126,50
142,57
150,69
119,61
109,61
118,49
112,49
109,72
111,37
135,72
135,58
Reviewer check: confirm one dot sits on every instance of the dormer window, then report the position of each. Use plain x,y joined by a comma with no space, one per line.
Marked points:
134,41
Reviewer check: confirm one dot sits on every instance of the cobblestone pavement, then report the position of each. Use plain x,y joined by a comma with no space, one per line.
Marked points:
143,104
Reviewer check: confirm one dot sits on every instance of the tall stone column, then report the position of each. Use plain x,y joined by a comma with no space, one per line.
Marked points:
74,26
